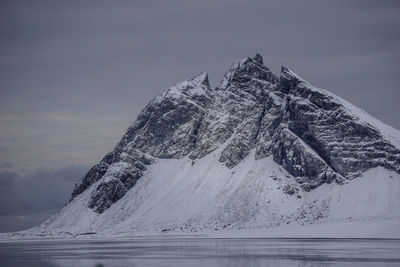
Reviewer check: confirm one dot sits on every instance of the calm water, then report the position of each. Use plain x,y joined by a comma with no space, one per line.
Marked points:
203,252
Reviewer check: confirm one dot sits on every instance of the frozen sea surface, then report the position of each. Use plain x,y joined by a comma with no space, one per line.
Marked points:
202,252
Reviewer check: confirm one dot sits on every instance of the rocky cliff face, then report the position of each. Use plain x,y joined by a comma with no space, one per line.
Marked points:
308,131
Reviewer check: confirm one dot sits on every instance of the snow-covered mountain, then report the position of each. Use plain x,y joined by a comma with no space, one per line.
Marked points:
258,151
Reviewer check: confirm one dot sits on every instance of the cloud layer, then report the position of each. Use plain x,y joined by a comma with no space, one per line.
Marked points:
27,200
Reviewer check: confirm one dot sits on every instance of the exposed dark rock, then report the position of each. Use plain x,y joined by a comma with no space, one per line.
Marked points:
290,189
94,174
106,194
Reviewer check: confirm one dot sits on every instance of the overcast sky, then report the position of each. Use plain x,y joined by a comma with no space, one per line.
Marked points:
75,74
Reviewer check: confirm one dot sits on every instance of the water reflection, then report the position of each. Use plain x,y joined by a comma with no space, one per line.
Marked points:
203,252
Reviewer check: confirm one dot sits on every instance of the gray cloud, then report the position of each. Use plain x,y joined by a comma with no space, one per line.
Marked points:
27,200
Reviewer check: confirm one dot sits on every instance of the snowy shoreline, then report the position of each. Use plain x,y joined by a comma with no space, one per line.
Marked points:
389,229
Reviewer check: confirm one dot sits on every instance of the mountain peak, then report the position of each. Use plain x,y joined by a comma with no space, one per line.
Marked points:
258,141
248,70
202,78
258,58
196,86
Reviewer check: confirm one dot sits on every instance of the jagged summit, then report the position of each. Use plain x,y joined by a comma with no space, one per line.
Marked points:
202,78
198,157
258,58
248,70
198,86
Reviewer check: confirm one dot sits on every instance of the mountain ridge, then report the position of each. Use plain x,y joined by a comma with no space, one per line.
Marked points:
178,119
306,138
